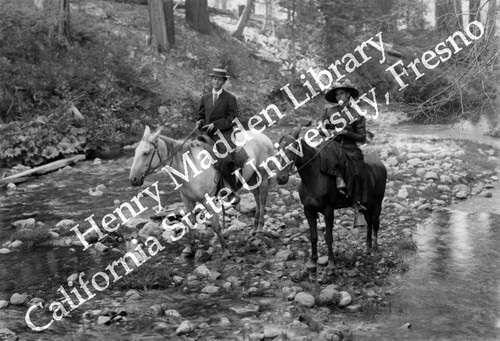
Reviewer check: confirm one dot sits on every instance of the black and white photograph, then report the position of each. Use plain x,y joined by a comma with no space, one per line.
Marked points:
201,170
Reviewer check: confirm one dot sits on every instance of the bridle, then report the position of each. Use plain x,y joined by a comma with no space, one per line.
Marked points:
170,158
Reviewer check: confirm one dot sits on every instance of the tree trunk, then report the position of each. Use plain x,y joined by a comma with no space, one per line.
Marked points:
269,15
243,20
474,6
197,15
161,24
491,19
446,17
63,16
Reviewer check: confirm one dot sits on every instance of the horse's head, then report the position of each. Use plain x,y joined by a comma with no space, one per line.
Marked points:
287,140
146,159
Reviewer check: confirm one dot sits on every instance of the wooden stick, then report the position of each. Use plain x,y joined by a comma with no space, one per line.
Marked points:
42,169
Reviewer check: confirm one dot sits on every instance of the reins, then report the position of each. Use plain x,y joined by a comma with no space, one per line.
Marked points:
330,139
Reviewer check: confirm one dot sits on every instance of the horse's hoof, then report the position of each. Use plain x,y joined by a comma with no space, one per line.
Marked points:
311,266
330,270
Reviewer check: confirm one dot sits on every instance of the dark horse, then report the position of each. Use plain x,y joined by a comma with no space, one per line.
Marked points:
319,194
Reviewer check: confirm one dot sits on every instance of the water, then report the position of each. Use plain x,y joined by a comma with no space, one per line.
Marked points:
452,290
65,195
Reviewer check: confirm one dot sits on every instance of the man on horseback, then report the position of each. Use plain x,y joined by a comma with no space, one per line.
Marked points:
216,113
348,162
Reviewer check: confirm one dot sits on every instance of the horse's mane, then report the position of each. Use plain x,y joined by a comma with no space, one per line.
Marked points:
186,145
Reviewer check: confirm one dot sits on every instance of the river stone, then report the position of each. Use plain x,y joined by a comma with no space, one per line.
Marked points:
486,194
431,176
445,179
329,295
247,203
103,320
329,334
323,260
345,299
443,188
256,336
304,299
210,289
402,193
135,222
202,271
151,229
65,225
202,256
25,223
461,195
11,186
296,196
185,328
132,295
172,313
18,299
461,188
3,304
414,162
7,335
271,333
100,247
392,161
4,251
284,255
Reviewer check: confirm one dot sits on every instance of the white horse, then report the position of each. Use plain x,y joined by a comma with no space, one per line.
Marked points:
155,151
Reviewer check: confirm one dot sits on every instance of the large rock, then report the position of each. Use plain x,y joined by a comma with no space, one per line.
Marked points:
304,299
431,176
461,188
284,255
65,225
329,295
25,223
18,299
210,289
247,203
151,229
345,299
202,271
185,328
4,304
402,193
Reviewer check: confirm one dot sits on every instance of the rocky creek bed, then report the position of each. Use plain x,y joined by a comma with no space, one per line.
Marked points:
261,291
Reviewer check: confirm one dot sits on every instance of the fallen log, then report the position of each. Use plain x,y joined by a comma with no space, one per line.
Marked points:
49,167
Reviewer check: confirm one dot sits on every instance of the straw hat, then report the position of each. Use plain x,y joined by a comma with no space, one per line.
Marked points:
219,73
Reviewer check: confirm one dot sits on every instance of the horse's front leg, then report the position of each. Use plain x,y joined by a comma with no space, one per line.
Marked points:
329,219
312,216
264,189
256,195
216,225
189,206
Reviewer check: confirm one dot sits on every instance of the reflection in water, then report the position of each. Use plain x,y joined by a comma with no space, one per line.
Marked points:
452,292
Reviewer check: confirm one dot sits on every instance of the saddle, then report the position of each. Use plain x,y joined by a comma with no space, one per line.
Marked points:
227,165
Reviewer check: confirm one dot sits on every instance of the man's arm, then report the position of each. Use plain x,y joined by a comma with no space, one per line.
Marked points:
201,113
232,112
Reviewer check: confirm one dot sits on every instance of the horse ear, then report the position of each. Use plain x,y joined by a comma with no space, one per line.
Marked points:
154,137
147,131
296,132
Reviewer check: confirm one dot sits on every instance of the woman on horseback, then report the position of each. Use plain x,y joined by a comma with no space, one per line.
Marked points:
348,161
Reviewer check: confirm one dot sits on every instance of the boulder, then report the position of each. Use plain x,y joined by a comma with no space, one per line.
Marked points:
304,299
18,299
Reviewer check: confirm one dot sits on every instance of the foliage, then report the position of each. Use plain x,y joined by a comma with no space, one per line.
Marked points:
39,83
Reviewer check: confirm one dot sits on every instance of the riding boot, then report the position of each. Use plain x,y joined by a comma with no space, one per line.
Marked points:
359,219
341,186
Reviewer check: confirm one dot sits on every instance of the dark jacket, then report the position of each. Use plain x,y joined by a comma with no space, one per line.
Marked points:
354,132
222,114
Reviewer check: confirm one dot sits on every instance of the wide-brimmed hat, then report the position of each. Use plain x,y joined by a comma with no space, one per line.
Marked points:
345,85
219,73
